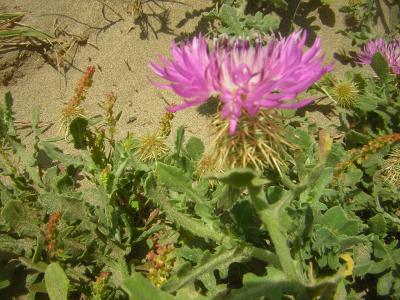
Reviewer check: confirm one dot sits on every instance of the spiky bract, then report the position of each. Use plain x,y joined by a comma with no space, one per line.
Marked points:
258,143
345,93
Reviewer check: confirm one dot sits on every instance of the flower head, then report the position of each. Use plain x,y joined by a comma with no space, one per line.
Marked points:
151,147
246,77
345,93
188,73
249,78
390,50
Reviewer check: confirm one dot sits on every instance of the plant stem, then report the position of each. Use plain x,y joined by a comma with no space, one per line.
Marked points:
279,240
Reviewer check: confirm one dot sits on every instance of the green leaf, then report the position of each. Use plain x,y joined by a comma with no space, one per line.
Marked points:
262,23
139,288
78,129
177,180
4,283
366,103
226,196
57,283
194,148
19,218
380,66
193,225
239,178
229,18
180,133
205,269
56,154
377,224
336,219
271,286
29,264
351,177
385,284
15,246
354,138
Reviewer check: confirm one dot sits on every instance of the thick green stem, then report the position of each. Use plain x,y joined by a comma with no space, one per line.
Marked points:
279,240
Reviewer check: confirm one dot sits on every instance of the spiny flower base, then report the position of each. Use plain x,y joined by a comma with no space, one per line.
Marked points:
391,167
345,93
152,147
257,144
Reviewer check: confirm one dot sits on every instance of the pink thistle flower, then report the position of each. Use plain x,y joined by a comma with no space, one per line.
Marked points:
248,78
389,50
272,76
188,73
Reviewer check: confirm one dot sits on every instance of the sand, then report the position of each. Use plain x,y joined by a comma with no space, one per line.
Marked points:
121,50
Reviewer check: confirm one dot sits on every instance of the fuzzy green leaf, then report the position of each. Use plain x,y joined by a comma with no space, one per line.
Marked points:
56,154
194,226
78,129
202,271
180,134
19,218
57,283
177,180
380,66
336,219
194,148
140,288
256,287
229,18
385,284
378,224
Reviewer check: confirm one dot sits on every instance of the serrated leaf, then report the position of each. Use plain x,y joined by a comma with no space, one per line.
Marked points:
57,283
56,154
351,177
180,134
177,180
385,284
194,148
194,226
15,246
378,224
257,287
380,66
336,219
19,218
78,129
366,103
229,18
221,259
354,138
140,288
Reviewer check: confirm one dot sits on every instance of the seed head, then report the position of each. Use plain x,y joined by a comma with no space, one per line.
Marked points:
152,147
391,167
345,93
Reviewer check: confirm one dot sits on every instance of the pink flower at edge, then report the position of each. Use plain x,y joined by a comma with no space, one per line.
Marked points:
390,50
187,74
247,78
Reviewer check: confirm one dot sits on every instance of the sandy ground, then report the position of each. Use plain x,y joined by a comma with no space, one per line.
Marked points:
120,50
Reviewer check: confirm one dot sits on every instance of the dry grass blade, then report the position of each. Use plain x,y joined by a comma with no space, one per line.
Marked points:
14,34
